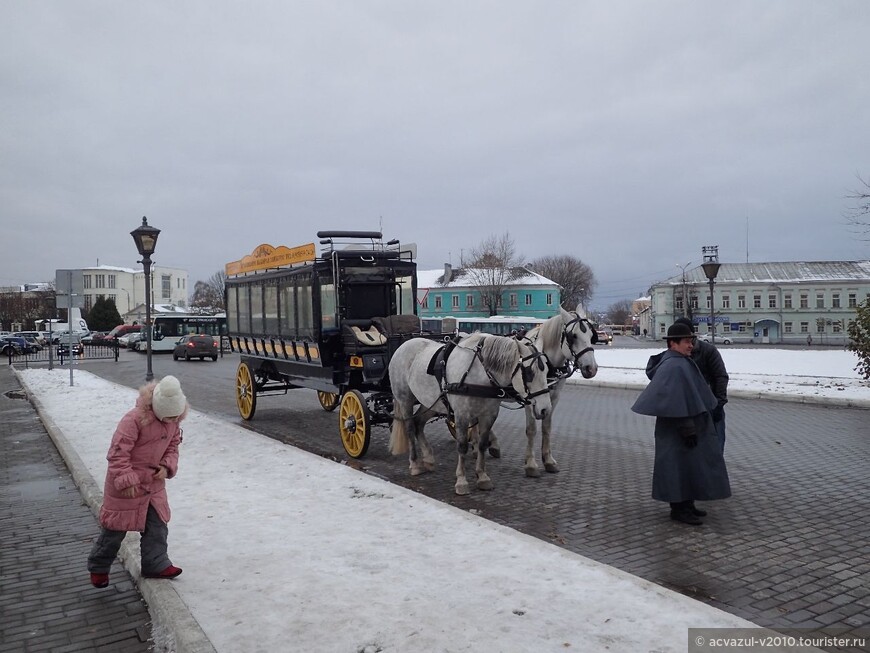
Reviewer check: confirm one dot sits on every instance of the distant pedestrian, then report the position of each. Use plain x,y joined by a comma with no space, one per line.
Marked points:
142,455
688,464
809,340
709,361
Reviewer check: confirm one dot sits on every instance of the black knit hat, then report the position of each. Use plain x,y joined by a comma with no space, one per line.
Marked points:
679,330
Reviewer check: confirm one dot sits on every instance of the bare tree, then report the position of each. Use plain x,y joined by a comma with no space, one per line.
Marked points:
493,265
208,296
860,214
576,278
619,312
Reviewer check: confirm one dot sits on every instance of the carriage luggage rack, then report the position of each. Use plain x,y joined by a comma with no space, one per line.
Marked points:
346,244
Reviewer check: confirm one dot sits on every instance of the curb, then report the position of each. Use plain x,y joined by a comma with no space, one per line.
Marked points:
176,629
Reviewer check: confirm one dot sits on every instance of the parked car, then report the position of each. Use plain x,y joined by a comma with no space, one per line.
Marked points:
94,337
122,330
721,339
32,344
131,340
63,349
36,335
58,336
10,345
23,346
195,346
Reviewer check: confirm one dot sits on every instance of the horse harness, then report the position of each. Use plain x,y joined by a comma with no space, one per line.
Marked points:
493,390
556,374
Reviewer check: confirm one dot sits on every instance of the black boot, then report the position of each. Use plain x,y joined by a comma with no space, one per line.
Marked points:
697,511
682,512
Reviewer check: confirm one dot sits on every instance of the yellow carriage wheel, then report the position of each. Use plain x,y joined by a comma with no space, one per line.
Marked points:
354,424
246,392
328,400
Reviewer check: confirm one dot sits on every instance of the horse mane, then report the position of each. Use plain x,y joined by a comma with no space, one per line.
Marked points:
550,333
499,353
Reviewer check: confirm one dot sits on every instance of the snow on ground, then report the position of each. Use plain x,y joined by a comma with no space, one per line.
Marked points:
284,550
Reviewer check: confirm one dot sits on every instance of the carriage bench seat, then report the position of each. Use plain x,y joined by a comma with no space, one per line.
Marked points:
392,325
361,332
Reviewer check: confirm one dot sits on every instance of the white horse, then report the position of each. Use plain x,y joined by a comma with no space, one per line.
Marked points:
481,372
566,340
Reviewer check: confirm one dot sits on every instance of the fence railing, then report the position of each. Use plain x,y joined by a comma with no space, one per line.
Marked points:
60,354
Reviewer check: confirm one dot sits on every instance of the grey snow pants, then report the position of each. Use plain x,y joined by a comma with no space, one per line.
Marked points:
155,557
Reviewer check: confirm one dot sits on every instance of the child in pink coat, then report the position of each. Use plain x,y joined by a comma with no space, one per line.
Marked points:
143,454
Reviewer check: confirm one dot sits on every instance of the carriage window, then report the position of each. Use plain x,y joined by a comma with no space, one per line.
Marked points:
257,308
244,309
305,308
288,307
327,304
270,304
405,299
232,309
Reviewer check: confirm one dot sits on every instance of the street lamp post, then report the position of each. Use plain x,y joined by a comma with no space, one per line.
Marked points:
711,269
687,309
146,241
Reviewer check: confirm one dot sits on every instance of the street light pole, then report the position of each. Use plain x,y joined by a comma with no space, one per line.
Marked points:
686,310
146,241
711,267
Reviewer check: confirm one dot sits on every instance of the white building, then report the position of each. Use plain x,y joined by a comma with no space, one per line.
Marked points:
780,303
126,286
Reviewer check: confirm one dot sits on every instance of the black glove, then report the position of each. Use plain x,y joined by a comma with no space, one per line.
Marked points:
689,434
718,413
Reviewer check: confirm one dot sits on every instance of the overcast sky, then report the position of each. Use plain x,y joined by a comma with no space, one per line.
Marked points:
628,134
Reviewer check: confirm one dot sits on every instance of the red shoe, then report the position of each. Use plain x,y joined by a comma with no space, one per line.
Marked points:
100,580
170,572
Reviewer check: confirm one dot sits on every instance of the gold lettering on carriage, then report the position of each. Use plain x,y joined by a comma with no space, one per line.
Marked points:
266,256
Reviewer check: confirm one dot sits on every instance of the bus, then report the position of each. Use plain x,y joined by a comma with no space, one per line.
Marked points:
500,325
169,328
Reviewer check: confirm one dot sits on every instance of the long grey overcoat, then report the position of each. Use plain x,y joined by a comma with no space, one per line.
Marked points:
677,395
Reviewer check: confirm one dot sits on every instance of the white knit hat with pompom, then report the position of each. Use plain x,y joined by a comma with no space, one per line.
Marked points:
168,399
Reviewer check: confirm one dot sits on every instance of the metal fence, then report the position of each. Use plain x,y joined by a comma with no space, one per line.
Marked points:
60,354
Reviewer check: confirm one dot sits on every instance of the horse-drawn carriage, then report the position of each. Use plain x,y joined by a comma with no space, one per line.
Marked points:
328,322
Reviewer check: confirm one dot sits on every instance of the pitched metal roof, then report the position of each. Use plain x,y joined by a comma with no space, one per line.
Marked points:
459,279
793,271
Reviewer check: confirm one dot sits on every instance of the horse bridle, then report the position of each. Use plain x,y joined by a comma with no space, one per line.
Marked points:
569,338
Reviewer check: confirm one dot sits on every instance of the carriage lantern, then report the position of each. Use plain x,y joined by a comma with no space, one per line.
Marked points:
146,242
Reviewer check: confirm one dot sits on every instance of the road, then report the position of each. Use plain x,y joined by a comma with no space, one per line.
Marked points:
788,550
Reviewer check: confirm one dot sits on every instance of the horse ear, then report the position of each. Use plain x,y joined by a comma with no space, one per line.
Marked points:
566,316
580,310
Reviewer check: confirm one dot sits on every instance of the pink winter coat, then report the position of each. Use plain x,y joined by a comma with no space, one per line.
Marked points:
140,445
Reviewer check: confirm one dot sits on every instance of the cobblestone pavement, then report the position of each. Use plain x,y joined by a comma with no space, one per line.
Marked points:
790,549
47,602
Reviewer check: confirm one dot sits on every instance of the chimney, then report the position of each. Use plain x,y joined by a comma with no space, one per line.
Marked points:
448,273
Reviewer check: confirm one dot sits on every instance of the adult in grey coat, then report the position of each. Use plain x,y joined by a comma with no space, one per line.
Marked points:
709,361
689,465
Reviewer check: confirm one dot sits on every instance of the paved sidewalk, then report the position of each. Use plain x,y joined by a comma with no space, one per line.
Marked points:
46,531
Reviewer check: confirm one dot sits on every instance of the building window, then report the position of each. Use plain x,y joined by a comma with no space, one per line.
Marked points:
694,301
425,303
820,325
100,281
454,301
89,302
820,300
853,300
709,302
112,281
678,302
771,301
836,326
786,300
437,302
788,327
86,280
528,299
805,301
835,300
756,301
166,286
549,299
741,301
805,327
726,301
469,301
661,329
513,300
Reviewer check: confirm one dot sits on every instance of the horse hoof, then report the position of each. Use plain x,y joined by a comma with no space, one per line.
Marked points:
430,467
533,472
462,490
484,485
416,471
553,468
495,452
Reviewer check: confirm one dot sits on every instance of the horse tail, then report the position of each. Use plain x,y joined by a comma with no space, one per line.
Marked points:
398,434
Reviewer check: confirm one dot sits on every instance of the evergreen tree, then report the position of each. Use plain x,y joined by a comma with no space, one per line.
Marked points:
104,315
859,339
